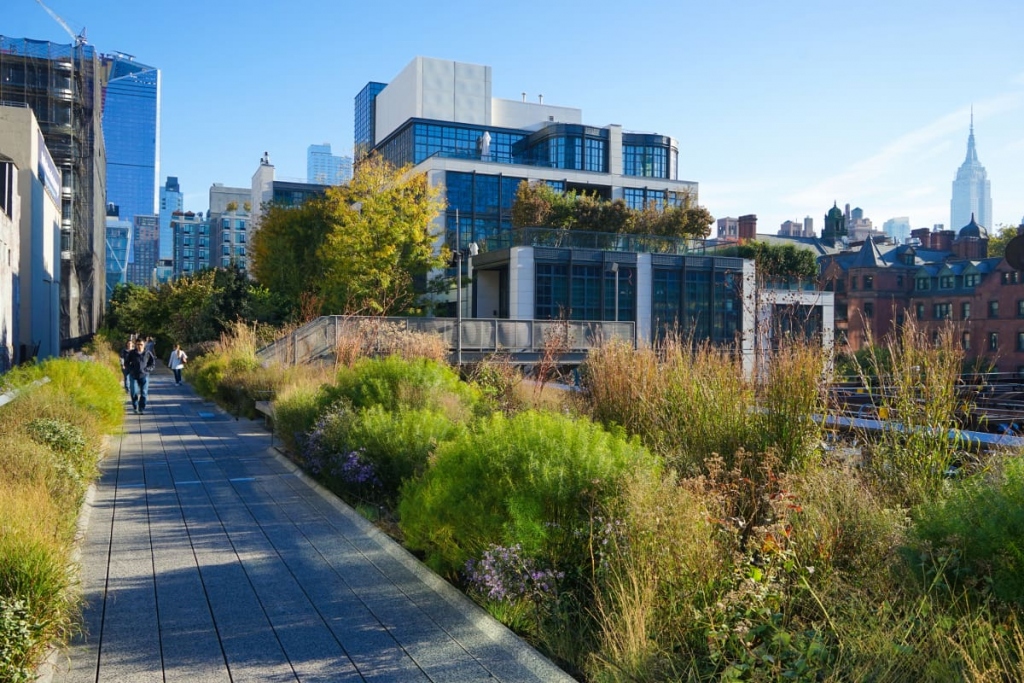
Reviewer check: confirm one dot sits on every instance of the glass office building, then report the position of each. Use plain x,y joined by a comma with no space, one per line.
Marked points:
131,129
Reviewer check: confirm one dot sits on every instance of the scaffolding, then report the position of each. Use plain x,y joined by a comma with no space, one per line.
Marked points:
62,84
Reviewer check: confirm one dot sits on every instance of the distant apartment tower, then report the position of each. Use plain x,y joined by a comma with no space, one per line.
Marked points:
131,130
222,198
230,239
972,192
146,244
119,249
266,190
797,228
728,228
171,201
30,206
191,243
63,85
366,119
898,229
323,168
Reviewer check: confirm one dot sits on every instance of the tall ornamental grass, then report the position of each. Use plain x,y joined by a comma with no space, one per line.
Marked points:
915,380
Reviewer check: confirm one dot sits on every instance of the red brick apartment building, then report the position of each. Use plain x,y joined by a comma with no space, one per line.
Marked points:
943,276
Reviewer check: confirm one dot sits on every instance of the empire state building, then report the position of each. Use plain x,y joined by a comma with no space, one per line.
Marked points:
972,193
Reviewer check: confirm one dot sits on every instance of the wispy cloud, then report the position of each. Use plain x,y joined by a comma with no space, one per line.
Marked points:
882,169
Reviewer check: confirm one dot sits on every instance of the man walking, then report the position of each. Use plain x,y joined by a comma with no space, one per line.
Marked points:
128,348
140,363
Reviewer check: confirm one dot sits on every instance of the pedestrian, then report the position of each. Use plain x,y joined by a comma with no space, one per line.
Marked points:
128,346
177,362
140,363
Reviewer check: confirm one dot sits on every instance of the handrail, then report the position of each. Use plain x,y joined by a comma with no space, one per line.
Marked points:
9,396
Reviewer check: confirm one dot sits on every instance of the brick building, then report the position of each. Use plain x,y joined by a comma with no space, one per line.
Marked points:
941,277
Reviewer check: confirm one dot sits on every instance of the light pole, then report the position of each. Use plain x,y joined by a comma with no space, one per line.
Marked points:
472,250
615,269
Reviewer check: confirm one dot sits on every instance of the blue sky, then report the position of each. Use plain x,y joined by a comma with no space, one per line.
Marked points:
779,108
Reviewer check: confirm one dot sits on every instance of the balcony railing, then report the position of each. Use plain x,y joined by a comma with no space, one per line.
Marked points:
603,241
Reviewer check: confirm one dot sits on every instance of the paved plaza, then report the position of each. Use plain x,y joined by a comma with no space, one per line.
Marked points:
209,557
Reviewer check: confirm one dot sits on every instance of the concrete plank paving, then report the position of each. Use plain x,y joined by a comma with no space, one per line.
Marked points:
209,557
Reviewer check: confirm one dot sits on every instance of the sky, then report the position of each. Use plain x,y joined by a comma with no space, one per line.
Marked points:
779,109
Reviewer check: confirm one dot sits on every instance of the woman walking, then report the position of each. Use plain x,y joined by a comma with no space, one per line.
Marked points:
177,362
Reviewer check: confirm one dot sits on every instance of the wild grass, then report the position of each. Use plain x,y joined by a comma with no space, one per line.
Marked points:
378,338
747,556
50,442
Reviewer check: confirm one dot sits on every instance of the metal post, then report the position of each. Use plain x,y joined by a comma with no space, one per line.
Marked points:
458,291
615,269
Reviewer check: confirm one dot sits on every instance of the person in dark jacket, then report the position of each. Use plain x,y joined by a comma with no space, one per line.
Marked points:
140,363
129,346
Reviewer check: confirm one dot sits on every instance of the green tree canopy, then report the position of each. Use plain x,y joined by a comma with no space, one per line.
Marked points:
1000,238
381,240
539,205
777,260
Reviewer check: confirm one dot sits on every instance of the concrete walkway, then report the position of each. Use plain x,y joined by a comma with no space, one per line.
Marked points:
208,557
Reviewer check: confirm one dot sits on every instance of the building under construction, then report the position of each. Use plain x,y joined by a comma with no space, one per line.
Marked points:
63,86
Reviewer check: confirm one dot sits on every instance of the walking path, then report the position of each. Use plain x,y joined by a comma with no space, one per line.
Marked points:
209,557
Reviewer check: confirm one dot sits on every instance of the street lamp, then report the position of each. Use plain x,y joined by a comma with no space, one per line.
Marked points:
471,251
615,269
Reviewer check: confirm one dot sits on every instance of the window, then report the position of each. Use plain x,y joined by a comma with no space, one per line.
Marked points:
946,282
919,310
993,309
869,282
965,341
993,341
227,237
869,309
239,251
899,280
965,310
226,250
240,237
942,311
922,283
853,282
1020,308
1010,278
971,280
552,291
1020,341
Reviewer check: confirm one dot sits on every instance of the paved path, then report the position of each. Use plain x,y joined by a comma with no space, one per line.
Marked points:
208,557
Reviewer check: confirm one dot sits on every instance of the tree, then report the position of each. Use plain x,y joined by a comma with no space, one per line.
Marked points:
1000,238
777,260
232,206
286,248
380,242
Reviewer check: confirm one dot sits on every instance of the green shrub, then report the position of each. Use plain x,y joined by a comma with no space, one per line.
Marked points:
528,480
295,413
19,641
975,535
394,382
206,373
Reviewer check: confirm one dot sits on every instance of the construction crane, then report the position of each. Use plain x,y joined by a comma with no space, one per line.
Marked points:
78,38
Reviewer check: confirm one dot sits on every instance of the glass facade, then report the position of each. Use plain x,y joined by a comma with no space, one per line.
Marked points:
131,130
649,156
324,168
417,141
702,304
569,146
483,204
119,243
365,114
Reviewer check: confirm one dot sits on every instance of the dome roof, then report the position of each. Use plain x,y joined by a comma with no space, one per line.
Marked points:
835,212
972,229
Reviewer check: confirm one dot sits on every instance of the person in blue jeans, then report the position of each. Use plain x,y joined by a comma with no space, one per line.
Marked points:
141,362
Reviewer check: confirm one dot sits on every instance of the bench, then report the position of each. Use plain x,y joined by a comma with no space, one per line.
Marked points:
266,408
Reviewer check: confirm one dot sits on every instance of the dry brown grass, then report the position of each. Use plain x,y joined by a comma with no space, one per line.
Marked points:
377,338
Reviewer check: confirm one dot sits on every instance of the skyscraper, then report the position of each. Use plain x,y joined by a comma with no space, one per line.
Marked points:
171,200
131,130
972,193
324,168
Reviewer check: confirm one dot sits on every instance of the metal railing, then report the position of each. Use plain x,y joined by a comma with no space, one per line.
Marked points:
321,337
604,241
